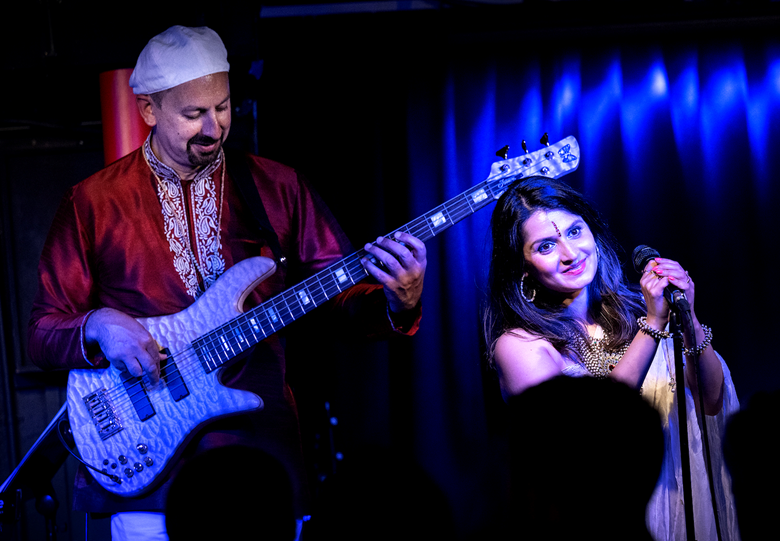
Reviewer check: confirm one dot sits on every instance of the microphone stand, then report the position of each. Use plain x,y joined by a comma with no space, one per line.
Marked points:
676,327
32,478
681,321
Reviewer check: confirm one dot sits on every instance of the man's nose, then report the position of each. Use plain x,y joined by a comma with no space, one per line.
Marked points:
210,126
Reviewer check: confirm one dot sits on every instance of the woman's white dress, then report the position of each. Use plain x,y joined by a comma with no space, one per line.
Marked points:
665,511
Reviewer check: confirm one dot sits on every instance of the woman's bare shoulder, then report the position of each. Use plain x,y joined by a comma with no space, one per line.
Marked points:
524,360
522,340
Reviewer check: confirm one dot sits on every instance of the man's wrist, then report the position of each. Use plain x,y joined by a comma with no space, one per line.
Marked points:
404,320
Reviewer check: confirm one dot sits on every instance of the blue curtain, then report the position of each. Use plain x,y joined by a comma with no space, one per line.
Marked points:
679,150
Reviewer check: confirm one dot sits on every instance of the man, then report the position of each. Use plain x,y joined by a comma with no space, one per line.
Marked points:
147,235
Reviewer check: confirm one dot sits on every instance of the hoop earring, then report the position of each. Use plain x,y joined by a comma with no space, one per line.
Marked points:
522,294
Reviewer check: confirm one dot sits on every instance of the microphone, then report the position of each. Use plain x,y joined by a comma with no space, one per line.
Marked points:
674,295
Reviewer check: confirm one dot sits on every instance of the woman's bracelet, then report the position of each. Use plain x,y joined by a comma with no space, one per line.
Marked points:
701,347
647,329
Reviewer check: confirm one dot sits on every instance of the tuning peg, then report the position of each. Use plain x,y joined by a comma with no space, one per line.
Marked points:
525,147
504,152
545,140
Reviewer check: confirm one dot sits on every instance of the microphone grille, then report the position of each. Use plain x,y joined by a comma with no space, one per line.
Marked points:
642,254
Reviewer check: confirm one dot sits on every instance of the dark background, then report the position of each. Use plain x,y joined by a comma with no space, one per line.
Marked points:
390,113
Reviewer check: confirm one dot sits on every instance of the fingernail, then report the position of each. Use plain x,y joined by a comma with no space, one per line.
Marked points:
671,278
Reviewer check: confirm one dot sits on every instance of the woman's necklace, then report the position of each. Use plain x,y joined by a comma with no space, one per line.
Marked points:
595,357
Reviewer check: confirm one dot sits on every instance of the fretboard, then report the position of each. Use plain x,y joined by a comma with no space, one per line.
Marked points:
229,340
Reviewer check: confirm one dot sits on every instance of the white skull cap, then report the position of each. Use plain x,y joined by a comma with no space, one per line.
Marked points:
178,55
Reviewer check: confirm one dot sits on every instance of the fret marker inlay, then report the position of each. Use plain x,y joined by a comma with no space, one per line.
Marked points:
438,219
255,327
479,196
304,298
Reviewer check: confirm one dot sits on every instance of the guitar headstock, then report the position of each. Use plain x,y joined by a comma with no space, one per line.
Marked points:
551,161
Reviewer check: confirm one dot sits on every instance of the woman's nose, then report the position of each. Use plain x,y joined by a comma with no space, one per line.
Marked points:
567,251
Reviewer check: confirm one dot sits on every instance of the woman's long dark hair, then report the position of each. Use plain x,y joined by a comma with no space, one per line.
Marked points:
611,302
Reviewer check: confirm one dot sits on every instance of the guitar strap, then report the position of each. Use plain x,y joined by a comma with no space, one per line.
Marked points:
239,172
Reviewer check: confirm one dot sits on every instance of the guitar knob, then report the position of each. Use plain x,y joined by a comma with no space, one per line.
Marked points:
129,472
545,170
138,467
142,448
122,459
148,461
545,140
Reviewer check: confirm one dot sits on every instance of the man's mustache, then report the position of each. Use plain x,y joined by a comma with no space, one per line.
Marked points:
203,140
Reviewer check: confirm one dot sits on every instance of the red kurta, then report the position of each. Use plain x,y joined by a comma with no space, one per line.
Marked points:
108,248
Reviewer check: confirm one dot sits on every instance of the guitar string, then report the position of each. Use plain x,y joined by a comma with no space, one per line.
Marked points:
187,367
461,202
213,338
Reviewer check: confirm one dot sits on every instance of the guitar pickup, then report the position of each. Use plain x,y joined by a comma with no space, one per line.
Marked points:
136,391
169,372
101,410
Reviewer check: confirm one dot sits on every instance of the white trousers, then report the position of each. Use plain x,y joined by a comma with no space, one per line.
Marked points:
144,526
138,526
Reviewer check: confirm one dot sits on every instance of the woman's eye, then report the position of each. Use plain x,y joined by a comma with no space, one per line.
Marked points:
546,246
575,231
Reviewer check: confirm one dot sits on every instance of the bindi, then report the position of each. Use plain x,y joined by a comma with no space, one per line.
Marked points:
556,228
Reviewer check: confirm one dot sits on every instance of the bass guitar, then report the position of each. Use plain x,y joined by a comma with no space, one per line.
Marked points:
129,433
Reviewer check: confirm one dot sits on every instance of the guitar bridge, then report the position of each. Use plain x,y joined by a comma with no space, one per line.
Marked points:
102,412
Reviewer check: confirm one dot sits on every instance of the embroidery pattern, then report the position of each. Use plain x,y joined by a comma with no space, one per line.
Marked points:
204,254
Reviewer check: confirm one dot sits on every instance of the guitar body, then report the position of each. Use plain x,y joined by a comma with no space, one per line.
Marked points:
138,452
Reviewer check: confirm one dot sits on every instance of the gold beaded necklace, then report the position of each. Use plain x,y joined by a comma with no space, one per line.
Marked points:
594,355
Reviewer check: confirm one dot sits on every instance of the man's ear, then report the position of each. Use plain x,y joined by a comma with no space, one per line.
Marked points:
146,108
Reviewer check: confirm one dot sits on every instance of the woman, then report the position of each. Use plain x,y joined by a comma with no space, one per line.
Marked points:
559,304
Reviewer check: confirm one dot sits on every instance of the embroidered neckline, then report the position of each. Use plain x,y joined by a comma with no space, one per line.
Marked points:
203,255
168,174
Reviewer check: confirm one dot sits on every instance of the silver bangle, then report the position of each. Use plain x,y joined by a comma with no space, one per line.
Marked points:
647,329
704,344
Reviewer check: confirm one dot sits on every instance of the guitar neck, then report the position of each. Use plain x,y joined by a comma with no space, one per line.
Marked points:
223,343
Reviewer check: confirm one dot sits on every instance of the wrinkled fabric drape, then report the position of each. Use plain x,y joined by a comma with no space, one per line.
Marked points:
677,139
